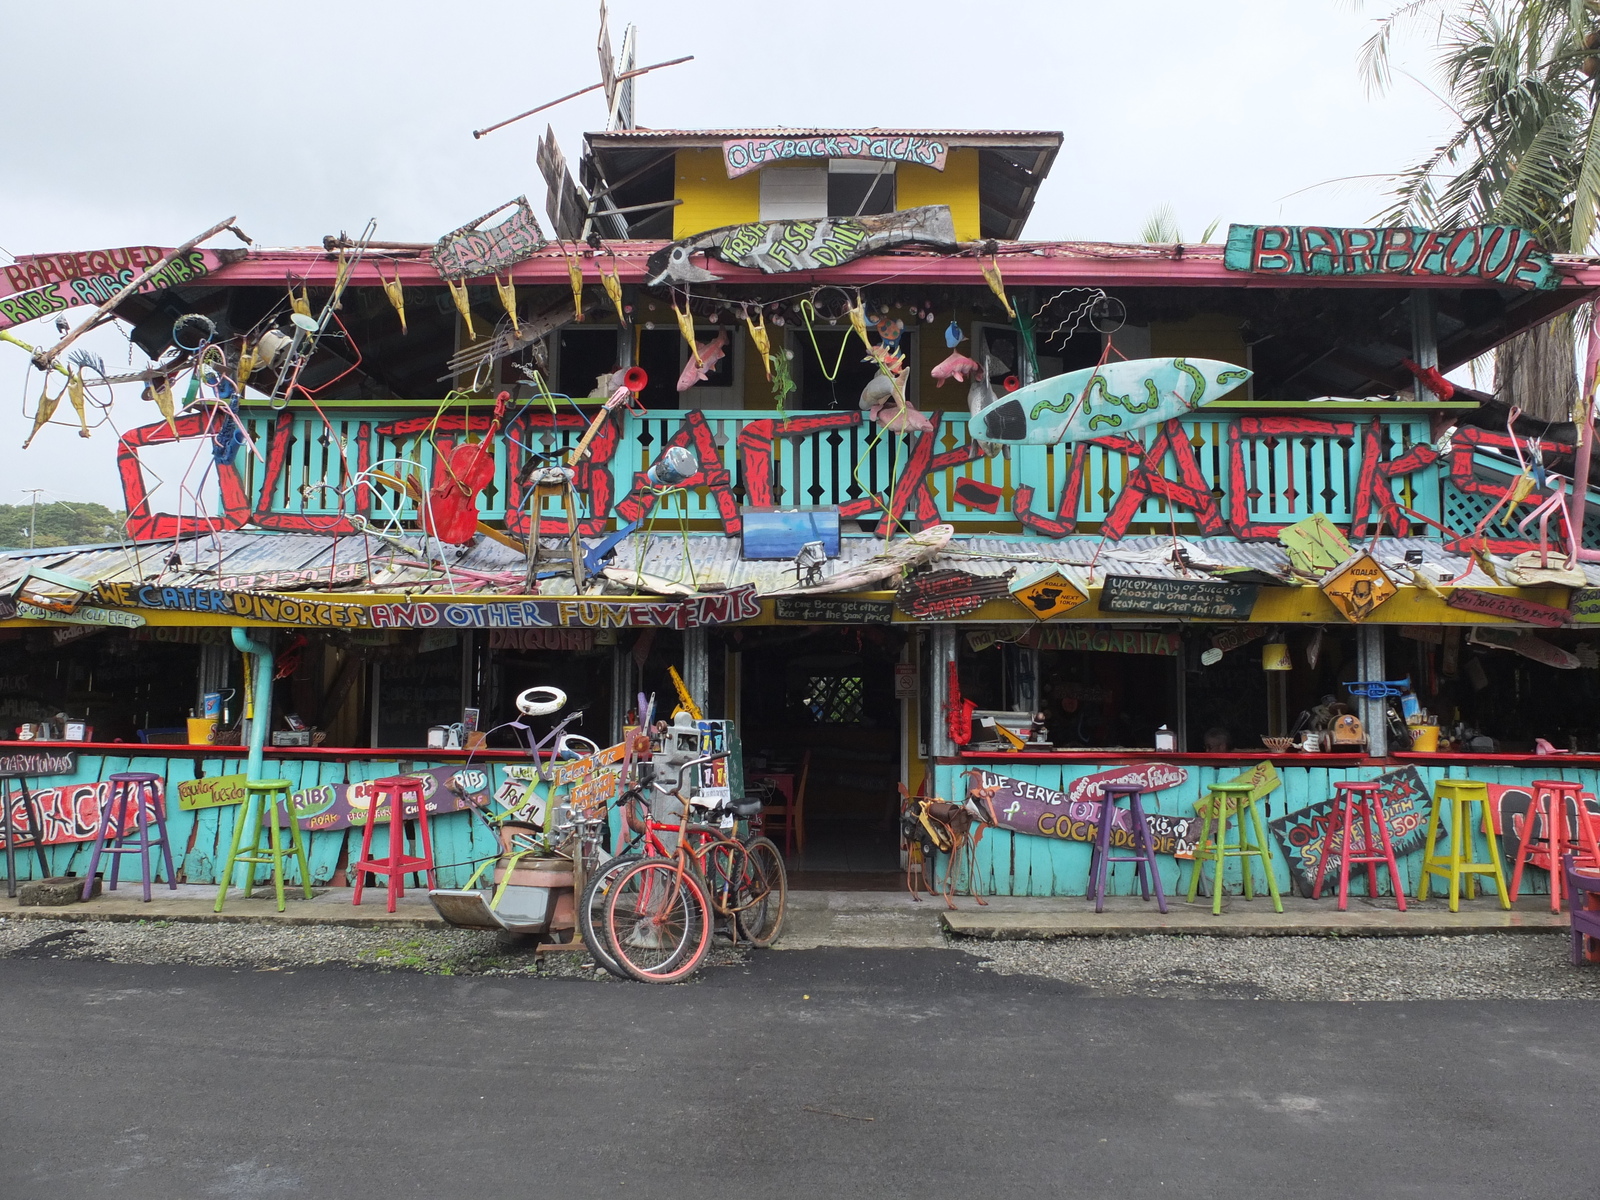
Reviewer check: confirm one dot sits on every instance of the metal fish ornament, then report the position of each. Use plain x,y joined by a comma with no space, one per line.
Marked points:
47,408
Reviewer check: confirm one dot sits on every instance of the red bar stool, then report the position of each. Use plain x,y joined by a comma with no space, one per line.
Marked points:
1549,809
397,790
1349,799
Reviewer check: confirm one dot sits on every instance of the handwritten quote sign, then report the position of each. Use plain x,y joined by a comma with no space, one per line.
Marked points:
1178,597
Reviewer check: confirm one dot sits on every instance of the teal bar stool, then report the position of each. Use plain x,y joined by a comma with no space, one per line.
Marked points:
1226,802
1459,869
265,796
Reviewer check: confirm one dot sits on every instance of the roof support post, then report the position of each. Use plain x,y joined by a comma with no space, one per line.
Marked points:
1370,667
1424,329
696,667
941,641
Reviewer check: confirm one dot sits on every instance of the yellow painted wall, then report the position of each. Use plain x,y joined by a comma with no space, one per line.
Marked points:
956,185
710,198
1209,335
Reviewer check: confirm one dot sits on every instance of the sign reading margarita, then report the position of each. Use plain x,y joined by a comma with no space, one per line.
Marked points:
1501,253
751,154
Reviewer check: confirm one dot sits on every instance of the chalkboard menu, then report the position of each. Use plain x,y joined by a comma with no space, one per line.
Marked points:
416,691
833,609
1178,597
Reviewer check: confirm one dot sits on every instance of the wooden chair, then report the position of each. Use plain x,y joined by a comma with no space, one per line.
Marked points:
791,813
1585,891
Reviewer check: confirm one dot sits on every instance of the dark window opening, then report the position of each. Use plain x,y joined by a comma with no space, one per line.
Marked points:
586,354
852,194
855,371
658,356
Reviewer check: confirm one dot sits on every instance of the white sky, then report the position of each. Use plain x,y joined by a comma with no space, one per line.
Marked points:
137,122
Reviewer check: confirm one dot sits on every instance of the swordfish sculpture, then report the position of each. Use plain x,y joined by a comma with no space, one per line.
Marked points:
1103,401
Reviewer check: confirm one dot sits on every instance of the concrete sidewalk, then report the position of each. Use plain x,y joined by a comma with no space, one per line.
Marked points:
873,920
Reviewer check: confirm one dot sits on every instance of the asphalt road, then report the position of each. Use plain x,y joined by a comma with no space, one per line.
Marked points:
825,1073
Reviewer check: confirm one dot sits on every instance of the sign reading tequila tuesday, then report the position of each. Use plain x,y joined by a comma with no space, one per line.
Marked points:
1502,253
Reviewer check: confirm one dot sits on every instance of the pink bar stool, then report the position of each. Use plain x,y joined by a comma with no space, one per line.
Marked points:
1349,799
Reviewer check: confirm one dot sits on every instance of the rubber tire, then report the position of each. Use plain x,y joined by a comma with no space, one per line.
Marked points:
591,906
696,942
757,923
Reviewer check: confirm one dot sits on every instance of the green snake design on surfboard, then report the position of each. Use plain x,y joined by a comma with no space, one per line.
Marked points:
1112,398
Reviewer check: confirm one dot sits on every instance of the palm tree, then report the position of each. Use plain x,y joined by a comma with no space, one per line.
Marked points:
1524,149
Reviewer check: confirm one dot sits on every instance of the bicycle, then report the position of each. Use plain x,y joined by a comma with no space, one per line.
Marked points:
656,910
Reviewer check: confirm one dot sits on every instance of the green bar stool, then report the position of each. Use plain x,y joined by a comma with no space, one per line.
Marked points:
1458,864
1225,802
265,796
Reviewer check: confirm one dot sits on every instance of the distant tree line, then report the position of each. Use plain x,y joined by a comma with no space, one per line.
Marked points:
59,524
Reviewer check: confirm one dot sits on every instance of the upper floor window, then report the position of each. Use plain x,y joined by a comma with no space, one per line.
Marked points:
842,187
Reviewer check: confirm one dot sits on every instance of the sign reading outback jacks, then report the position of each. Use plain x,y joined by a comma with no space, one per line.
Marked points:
1501,253
743,155
38,285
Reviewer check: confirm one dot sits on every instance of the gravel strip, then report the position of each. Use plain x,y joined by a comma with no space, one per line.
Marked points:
279,948
1525,967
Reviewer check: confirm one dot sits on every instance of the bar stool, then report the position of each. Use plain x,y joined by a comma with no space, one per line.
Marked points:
265,796
1350,798
1549,807
397,790
1460,795
1226,801
127,812
1144,856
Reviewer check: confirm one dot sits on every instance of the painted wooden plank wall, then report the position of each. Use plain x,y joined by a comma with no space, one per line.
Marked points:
1018,864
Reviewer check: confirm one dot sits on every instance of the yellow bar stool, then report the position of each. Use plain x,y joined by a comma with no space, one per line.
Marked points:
1225,802
1459,865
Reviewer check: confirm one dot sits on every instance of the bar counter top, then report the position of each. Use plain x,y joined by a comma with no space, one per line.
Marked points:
317,753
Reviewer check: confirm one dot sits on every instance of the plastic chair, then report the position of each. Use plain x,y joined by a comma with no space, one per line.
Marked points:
134,794
1349,798
1584,887
1459,865
1225,802
396,791
1144,855
263,797
1549,809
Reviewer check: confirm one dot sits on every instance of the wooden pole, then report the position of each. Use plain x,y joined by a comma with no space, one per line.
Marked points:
44,358
478,133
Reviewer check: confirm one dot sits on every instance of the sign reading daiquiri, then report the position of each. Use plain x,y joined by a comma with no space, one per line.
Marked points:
1502,253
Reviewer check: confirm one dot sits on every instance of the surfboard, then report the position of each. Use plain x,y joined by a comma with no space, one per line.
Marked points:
1103,401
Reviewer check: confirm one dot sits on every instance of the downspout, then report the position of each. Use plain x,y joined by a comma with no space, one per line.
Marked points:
262,720
1578,502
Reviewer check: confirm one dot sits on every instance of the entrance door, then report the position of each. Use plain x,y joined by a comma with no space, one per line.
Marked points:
818,705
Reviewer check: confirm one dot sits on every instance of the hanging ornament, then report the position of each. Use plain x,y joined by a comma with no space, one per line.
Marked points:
47,409
397,298
758,335
247,358
991,275
858,321
508,301
686,327
575,274
953,336
613,287
301,303
458,293
75,394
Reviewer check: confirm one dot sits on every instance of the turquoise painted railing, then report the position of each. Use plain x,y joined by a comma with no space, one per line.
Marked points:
1248,467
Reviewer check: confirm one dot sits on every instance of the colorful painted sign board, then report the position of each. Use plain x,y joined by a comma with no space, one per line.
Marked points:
1511,608
777,247
350,805
214,791
1178,597
1116,397
1585,606
1103,640
288,581
1358,587
1499,253
946,595
41,285
69,812
1072,815
827,610
1047,593
1302,833
742,155
474,250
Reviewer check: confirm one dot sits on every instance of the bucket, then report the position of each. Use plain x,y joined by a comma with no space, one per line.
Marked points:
202,730
1425,739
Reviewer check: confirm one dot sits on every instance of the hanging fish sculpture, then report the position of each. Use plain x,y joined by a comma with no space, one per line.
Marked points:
955,366
703,361
1101,401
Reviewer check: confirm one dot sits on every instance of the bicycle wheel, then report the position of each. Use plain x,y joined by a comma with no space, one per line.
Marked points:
723,866
658,920
591,912
766,886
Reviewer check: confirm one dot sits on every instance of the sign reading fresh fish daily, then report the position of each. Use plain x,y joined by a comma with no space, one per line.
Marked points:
1073,815
742,155
472,250
1302,833
777,247
1112,398
40,285
1178,597
1499,253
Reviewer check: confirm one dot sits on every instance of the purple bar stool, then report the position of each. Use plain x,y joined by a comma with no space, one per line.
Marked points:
1101,858
133,795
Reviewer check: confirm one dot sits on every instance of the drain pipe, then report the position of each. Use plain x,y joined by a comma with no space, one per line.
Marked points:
260,722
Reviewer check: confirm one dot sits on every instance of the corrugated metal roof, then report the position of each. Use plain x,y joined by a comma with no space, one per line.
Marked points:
489,566
781,131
